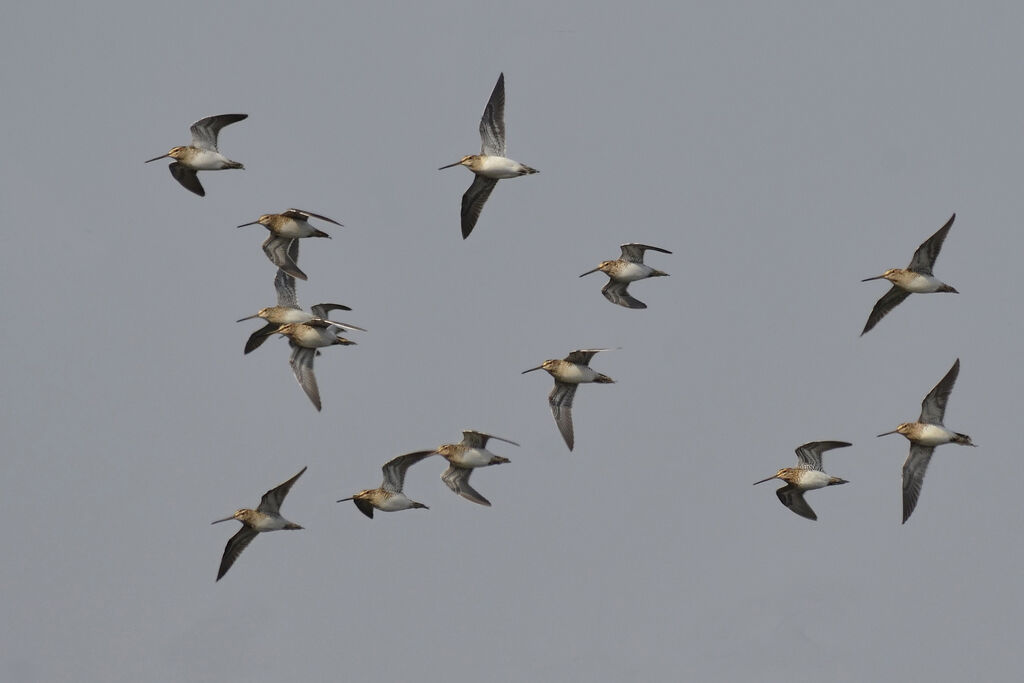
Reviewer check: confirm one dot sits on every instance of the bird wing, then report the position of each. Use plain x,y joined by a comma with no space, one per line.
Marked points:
304,215
809,454
322,310
582,356
913,476
793,498
473,202
302,366
394,469
617,293
280,252
188,178
236,544
890,300
457,479
285,286
933,407
634,253
474,439
924,257
272,499
492,123
365,506
261,335
560,400
205,131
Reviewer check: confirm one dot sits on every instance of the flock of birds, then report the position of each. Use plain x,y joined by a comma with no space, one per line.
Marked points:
308,332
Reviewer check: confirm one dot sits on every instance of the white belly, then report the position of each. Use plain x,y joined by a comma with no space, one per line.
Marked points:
207,160
576,374
499,167
813,479
395,502
313,337
631,272
291,228
934,435
922,284
474,457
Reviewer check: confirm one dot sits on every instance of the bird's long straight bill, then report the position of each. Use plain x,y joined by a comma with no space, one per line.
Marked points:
539,367
774,476
226,519
591,271
895,431
343,499
877,277
249,223
457,163
248,317
162,156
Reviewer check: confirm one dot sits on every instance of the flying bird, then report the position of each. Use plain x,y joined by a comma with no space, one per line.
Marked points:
806,476
464,457
285,228
202,154
266,517
629,267
916,278
288,310
569,373
491,164
924,435
388,497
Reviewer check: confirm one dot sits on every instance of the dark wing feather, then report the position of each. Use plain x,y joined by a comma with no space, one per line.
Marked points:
933,407
272,499
187,177
236,544
473,202
924,257
890,300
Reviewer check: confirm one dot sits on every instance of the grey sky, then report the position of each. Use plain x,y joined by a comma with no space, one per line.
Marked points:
782,153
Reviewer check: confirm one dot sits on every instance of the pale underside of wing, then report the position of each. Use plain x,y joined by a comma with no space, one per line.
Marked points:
302,366
634,253
617,293
474,439
473,202
187,177
279,250
924,258
492,123
236,544
394,469
890,300
299,214
809,454
933,407
793,498
284,284
457,479
560,400
205,131
272,499
913,476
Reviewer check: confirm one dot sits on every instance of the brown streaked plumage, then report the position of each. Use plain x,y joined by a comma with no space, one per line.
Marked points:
202,154
806,476
388,497
924,435
266,517
464,457
569,372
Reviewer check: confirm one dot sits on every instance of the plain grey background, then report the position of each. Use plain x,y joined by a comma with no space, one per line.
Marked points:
781,152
